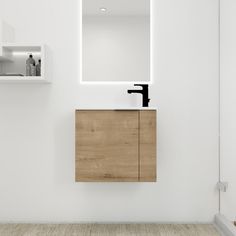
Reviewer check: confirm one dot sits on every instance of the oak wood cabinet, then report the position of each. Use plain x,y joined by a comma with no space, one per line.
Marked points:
115,146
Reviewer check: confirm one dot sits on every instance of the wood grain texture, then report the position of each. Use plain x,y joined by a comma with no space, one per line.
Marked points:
107,230
106,146
148,154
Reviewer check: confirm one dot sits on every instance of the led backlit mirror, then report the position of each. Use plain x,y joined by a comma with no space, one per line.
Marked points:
116,41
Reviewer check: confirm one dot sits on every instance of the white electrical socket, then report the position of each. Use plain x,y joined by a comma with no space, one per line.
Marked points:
222,186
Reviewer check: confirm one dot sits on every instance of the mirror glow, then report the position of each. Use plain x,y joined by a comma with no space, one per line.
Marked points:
116,41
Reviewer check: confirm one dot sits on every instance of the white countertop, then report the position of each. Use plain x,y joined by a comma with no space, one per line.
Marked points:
116,108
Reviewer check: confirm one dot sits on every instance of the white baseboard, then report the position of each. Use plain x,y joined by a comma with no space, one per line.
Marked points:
224,225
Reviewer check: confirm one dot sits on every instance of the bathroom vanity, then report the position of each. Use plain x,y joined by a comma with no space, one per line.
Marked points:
115,145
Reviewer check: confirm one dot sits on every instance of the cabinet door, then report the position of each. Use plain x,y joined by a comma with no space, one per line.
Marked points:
147,146
107,146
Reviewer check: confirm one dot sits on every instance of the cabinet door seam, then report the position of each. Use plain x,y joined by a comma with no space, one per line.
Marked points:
139,146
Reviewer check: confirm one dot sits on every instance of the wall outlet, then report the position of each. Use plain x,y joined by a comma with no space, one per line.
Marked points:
222,186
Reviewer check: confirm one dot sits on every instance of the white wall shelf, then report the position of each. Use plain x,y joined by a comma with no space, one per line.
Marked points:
13,58
23,79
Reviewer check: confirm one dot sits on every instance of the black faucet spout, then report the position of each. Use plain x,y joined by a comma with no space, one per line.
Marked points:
144,92
135,91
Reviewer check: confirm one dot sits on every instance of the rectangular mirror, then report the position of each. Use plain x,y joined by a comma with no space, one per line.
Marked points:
116,41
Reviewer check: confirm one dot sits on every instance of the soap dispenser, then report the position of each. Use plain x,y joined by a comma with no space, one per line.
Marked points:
30,61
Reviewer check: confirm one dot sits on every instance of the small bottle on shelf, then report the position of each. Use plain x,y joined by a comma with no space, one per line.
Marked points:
30,61
32,69
38,68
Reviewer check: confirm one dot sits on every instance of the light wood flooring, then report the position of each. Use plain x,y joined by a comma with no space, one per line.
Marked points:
108,230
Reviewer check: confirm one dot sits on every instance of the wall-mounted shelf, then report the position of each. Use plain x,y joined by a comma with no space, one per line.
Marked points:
23,79
13,58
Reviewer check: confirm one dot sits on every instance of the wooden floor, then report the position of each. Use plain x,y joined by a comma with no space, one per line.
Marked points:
107,230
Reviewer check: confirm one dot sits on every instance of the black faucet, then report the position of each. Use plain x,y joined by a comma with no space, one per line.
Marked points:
144,92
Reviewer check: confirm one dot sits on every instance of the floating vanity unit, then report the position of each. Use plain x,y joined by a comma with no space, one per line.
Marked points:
115,145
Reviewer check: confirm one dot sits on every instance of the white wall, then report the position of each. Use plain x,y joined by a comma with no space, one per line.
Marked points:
116,48
228,108
7,33
37,121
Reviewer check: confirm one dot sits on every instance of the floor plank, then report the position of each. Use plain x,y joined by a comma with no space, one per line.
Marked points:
108,230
